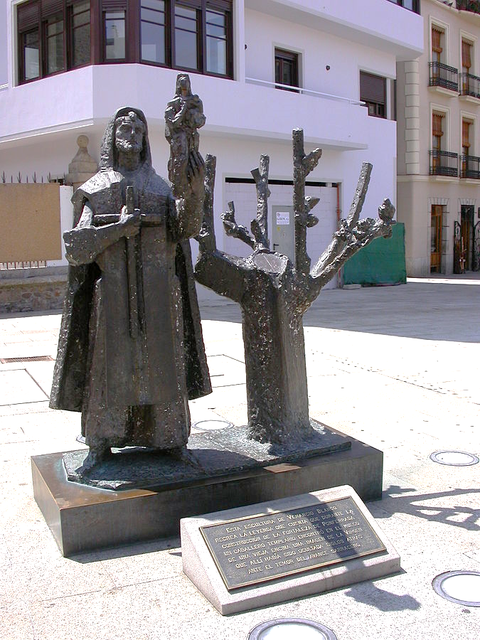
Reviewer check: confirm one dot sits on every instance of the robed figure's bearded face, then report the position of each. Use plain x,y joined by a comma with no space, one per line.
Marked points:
129,134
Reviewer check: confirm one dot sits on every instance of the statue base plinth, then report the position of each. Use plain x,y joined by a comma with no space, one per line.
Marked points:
139,495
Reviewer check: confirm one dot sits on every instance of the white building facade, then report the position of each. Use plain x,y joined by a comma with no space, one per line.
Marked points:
67,65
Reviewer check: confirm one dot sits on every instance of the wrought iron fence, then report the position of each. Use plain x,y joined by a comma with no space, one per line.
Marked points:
441,75
443,163
469,5
469,85
470,167
25,264
19,178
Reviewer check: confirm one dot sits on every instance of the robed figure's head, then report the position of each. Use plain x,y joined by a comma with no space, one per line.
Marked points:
126,133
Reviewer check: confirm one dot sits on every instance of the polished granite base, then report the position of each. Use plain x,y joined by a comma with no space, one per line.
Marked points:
140,495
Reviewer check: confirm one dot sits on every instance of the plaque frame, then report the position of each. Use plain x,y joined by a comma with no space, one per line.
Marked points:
380,548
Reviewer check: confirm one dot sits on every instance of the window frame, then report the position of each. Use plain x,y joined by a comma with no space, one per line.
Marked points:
287,55
167,37
374,103
133,39
401,3
39,24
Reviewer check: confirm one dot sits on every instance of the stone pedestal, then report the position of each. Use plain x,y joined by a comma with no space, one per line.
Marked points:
215,477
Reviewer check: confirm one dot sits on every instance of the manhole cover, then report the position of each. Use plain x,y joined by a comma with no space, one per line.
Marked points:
210,425
454,458
462,587
287,628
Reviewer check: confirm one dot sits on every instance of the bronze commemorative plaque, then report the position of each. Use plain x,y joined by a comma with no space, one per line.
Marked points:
268,546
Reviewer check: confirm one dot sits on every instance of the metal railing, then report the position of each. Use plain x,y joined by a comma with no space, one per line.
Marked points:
25,264
441,75
308,92
443,163
469,85
470,167
469,5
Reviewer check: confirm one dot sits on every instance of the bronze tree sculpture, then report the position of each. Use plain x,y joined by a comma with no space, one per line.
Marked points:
274,292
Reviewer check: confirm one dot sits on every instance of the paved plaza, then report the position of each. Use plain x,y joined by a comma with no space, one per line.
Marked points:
395,367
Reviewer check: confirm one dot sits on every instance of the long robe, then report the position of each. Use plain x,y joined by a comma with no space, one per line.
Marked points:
131,382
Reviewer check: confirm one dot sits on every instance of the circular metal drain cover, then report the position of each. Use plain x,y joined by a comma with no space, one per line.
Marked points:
462,587
287,628
454,458
211,425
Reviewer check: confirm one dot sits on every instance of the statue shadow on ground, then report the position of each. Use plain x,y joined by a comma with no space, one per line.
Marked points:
332,313
395,501
380,311
369,594
172,545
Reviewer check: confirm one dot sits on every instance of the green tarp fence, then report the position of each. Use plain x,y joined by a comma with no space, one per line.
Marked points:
381,262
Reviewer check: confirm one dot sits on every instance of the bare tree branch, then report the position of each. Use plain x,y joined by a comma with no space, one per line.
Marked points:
360,236
260,225
302,166
360,194
206,237
343,233
236,230
311,202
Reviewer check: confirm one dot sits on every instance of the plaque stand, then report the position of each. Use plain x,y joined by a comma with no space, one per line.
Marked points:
151,501
267,553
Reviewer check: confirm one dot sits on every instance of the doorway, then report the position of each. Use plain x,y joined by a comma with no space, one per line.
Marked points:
466,233
283,230
436,238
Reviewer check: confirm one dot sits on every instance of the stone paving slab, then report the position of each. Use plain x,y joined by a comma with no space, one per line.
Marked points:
396,367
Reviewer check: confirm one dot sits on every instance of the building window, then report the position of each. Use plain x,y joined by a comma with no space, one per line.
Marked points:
469,163
438,36
469,84
216,42
466,56
114,31
80,34
441,74
438,120
57,35
373,93
442,162
53,36
411,5
286,68
152,31
186,37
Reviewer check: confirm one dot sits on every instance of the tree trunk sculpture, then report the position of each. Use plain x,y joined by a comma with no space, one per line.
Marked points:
274,293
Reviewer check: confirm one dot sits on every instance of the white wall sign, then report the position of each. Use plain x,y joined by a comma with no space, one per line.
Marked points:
283,218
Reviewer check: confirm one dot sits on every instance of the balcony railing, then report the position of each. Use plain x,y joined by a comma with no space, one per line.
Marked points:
443,163
469,85
309,92
441,75
470,167
469,5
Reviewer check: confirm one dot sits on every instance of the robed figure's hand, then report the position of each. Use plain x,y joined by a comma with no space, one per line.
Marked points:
196,174
129,222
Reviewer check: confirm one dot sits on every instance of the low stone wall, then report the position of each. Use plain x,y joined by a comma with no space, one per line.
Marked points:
39,293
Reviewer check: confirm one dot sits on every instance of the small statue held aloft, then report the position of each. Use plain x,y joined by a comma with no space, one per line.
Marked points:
183,116
131,351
